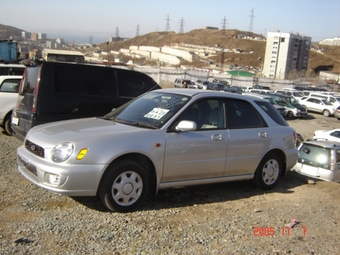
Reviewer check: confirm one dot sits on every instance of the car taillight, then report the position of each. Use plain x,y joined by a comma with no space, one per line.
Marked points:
295,137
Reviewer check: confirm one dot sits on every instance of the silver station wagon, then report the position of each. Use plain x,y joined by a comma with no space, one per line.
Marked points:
166,138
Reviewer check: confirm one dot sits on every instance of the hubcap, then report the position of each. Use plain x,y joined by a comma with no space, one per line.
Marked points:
127,188
270,172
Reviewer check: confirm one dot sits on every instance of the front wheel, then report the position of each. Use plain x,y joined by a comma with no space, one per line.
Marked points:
326,113
268,172
290,115
123,187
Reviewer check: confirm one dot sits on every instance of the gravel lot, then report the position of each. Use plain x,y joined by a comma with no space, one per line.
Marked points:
227,218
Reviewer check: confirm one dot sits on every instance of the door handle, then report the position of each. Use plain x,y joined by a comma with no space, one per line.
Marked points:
217,137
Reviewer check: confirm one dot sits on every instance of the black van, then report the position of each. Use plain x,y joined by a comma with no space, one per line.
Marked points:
53,91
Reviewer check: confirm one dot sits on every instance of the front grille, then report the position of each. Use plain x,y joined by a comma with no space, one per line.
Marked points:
34,148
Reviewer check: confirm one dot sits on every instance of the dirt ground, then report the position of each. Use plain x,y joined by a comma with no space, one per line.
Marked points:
299,216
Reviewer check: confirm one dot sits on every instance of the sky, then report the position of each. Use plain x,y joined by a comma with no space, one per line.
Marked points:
77,20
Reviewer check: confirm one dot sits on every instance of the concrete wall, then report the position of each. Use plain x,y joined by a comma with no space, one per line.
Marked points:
178,53
143,53
150,48
165,58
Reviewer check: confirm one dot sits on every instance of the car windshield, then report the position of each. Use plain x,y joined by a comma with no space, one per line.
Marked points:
150,110
314,156
292,100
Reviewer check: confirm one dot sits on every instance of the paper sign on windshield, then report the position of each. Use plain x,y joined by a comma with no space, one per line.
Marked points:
156,113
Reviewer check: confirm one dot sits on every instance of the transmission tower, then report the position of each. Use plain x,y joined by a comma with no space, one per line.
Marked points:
181,26
90,39
251,20
117,32
137,30
167,27
224,23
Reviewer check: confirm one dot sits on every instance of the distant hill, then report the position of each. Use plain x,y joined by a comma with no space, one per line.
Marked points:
7,31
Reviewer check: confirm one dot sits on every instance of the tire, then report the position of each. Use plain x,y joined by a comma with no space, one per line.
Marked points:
8,126
124,186
290,115
326,113
268,172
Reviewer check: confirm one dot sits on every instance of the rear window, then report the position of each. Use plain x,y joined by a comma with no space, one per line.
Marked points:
7,70
272,112
314,155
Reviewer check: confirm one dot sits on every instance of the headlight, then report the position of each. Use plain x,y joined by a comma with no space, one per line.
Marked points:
62,152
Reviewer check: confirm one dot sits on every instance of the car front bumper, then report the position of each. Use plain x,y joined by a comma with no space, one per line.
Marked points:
75,179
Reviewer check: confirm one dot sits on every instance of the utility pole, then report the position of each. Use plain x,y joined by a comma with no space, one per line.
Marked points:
90,39
181,31
167,28
251,20
117,32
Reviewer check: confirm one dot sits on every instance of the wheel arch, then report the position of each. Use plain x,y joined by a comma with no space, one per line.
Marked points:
141,160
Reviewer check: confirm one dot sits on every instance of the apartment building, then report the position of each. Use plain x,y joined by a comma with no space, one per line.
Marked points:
285,52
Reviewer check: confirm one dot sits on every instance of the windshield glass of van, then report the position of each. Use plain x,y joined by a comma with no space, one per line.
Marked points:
315,156
153,109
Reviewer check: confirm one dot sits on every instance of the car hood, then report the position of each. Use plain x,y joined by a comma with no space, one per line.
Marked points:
299,106
78,129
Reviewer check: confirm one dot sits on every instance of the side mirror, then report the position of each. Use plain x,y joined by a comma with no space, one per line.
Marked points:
186,125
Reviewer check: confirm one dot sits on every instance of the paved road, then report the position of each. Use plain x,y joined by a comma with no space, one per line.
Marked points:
314,121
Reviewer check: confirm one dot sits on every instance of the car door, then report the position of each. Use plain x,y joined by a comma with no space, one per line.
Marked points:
201,153
249,138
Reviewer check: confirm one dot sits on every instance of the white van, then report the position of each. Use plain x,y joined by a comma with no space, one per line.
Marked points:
9,85
334,100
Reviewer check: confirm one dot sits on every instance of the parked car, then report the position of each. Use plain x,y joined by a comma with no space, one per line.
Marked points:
329,135
335,101
294,93
235,89
202,84
260,91
52,91
221,81
218,87
293,107
185,84
246,89
319,159
163,139
9,85
319,105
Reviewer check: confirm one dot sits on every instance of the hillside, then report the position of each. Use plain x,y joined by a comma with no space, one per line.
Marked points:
328,58
321,58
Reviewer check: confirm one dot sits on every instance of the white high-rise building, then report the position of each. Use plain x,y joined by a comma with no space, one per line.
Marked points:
285,52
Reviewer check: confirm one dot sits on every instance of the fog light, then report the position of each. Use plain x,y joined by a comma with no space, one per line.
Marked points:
53,179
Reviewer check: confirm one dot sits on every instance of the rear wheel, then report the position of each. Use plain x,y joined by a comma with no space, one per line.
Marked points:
124,186
268,172
8,126
326,113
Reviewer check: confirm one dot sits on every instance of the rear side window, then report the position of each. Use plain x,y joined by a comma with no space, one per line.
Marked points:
316,156
84,80
272,112
242,114
133,84
10,85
